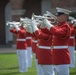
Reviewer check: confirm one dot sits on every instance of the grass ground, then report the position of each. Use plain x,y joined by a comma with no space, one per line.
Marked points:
9,66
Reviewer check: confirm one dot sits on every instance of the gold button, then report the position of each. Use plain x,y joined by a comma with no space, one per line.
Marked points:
52,40
52,43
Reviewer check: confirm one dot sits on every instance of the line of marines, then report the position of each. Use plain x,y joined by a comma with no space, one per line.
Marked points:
50,38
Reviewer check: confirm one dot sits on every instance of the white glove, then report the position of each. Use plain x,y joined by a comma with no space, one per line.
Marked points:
16,27
74,21
47,23
29,29
75,24
34,25
42,26
11,27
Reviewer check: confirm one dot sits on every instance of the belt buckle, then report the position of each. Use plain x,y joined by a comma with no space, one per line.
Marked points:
52,47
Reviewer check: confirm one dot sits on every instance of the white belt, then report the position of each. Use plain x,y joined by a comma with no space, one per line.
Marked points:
60,47
21,39
44,47
71,37
35,41
28,37
53,47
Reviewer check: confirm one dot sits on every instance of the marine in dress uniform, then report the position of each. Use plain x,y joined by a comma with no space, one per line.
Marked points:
34,46
21,47
61,34
34,49
44,53
71,43
29,48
